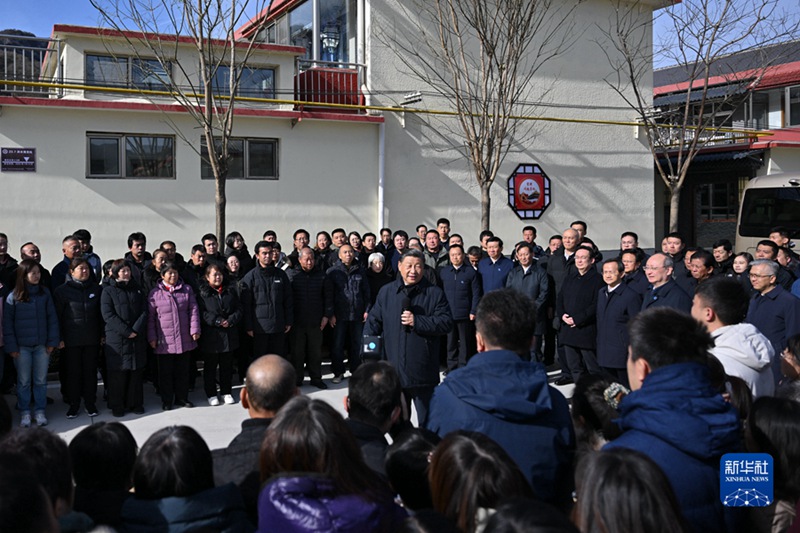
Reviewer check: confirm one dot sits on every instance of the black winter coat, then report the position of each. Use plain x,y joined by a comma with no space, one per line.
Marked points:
194,276
79,314
535,284
137,269
124,309
668,295
414,352
214,308
377,280
308,293
462,288
348,290
578,299
614,311
637,281
558,267
150,278
8,273
246,262
267,300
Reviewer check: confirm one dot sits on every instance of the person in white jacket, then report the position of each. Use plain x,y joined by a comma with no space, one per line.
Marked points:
720,304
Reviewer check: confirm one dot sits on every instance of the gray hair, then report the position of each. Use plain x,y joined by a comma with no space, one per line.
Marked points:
376,256
305,250
771,265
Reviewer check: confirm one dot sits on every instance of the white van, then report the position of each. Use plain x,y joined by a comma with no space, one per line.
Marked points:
767,202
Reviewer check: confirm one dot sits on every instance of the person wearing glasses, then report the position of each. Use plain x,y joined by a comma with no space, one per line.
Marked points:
664,291
773,310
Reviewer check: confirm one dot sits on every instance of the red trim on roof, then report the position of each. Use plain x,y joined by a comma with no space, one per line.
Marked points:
174,108
787,137
275,9
774,76
107,32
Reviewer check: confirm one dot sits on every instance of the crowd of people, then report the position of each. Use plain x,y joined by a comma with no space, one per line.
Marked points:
677,358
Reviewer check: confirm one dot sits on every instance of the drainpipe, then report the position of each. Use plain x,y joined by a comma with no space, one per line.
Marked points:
381,170
361,23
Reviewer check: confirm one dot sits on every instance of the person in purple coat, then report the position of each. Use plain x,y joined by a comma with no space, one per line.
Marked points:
173,327
314,477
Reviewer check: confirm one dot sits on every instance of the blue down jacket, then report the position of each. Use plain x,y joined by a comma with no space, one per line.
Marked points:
31,323
680,422
309,503
508,399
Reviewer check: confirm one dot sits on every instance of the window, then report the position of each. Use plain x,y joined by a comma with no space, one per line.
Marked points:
793,106
247,159
301,21
130,156
324,34
719,201
110,71
254,82
107,71
766,208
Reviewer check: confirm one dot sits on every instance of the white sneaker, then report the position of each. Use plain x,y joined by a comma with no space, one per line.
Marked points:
213,401
41,420
228,399
25,421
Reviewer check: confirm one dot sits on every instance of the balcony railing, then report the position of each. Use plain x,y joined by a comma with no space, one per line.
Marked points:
329,82
22,59
708,139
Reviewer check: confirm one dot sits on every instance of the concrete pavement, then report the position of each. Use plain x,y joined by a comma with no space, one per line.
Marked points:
217,425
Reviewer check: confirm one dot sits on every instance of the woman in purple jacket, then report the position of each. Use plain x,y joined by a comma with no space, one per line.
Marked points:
315,479
173,327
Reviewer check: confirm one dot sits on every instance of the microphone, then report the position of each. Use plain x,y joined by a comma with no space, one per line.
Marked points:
407,307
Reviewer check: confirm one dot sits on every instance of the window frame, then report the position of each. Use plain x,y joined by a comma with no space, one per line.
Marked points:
128,82
251,68
275,142
122,155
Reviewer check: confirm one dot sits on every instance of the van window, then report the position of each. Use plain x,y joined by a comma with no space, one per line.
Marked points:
763,209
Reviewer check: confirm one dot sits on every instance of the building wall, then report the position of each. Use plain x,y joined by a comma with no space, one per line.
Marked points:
601,174
781,160
327,178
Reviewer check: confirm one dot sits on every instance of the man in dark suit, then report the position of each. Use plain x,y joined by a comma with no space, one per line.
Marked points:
617,303
664,291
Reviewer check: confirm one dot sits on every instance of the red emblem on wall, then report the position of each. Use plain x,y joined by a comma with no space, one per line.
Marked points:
529,191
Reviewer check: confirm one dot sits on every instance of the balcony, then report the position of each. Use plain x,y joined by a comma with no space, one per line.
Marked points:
329,82
23,58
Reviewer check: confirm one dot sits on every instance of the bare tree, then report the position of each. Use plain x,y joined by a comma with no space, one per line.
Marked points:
701,38
206,87
481,56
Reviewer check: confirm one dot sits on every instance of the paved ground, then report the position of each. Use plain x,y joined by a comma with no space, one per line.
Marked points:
218,425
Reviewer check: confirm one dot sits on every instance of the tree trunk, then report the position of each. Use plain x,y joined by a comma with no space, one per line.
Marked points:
486,205
221,202
674,206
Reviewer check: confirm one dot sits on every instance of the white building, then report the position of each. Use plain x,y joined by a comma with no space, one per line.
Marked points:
113,163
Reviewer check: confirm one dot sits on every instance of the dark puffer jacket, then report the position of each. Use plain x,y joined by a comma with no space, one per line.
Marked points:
308,293
217,509
348,290
78,310
678,420
31,323
124,309
216,306
306,503
267,300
